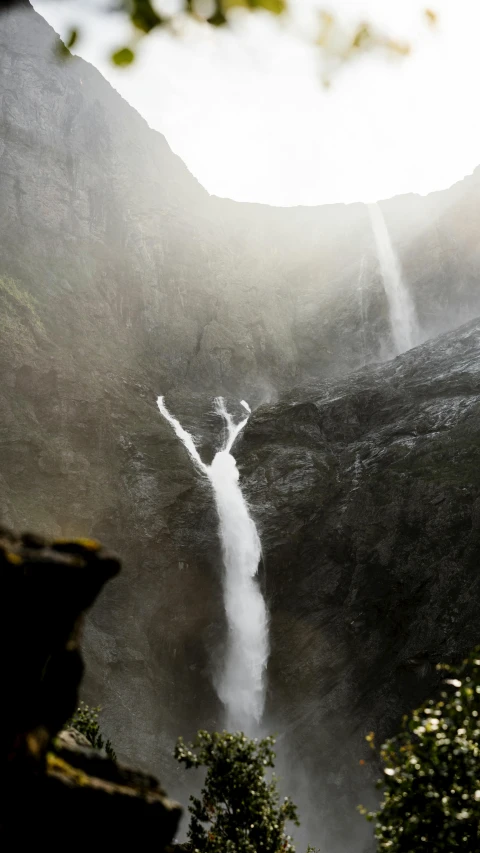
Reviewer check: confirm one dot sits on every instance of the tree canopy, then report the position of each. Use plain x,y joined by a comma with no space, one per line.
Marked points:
431,787
239,810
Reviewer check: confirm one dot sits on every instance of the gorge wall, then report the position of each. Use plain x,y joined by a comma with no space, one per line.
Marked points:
368,493
122,279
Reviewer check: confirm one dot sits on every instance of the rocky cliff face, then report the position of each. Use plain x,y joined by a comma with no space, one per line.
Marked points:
367,495
120,279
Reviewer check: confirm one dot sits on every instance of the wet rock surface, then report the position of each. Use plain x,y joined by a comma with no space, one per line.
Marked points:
56,787
366,492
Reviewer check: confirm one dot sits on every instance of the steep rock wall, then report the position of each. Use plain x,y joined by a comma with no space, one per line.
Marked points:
366,491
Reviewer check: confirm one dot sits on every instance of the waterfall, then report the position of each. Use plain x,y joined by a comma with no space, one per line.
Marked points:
241,683
363,319
403,319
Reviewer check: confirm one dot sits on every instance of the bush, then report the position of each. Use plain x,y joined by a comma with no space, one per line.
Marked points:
85,721
238,811
431,787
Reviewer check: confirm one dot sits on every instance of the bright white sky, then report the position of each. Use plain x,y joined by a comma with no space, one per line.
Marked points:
247,113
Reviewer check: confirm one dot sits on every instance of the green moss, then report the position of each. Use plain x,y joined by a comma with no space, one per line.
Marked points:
57,765
20,301
20,324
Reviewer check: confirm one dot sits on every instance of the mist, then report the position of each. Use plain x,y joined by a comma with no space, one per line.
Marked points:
298,556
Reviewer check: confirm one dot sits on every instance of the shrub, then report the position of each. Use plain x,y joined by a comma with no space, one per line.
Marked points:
85,721
238,811
431,787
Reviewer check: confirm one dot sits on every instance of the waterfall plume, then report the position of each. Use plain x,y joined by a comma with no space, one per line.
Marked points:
403,317
241,683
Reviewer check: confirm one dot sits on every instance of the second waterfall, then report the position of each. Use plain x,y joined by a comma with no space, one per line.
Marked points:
403,317
241,685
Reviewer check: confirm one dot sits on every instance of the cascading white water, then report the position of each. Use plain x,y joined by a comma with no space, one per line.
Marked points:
403,318
241,684
360,287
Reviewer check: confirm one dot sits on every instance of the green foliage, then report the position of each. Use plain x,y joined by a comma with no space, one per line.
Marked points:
338,42
145,17
431,791
124,56
72,39
63,48
238,811
85,721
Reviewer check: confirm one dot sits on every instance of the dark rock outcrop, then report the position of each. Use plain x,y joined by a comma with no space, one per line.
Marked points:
51,792
366,491
125,806
47,587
